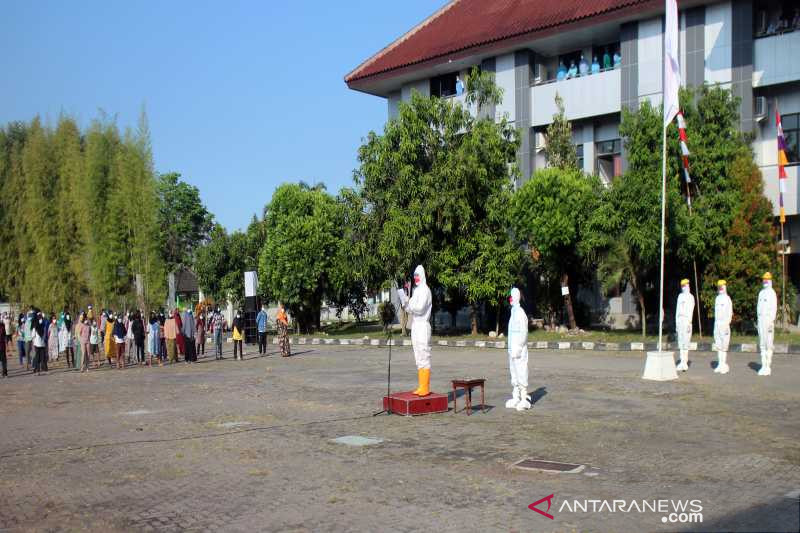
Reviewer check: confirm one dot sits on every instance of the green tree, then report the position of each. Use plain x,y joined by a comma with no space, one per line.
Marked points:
482,90
430,186
559,148
297,258
623,234
749,247
550,212
183,220
213,263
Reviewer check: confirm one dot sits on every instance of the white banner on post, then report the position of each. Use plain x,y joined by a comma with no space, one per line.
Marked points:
250,284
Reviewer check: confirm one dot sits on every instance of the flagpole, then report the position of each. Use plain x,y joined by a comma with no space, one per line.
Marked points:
663,209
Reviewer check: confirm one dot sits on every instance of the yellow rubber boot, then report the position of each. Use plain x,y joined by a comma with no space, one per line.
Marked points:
419,382
424,382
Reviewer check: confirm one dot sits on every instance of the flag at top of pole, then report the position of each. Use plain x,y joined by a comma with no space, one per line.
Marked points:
672,74
660,365
782,162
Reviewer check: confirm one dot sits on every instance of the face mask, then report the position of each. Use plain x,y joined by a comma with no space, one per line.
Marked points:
417,279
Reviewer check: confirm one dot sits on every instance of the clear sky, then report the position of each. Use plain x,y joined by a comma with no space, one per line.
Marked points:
241,96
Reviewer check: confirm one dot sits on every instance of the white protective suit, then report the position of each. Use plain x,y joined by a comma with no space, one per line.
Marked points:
723,312
766,310
518,354
683,325
419,307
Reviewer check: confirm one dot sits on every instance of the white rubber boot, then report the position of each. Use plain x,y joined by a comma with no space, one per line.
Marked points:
722,365
769,363
512,403
683,365
524,402
764,370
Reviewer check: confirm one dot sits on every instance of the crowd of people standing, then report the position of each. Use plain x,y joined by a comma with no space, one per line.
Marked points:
120,340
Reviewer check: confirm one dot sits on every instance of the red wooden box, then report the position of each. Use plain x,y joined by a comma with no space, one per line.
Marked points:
408,404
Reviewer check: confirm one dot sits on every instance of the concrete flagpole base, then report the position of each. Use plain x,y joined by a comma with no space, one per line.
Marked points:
660,366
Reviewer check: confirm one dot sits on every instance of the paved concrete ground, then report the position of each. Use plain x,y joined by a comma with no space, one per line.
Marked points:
246,446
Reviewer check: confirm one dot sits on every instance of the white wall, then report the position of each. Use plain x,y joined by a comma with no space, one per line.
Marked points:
776,59
765,148
718,43
504,77
392,103
584,97
423,86
650,65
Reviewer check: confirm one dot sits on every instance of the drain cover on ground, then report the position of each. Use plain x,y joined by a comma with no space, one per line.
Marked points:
356,440
549,466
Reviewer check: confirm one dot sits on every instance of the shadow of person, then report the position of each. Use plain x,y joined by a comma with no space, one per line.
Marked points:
754,366
538,394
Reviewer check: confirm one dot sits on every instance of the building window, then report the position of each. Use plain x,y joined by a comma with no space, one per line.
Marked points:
791,133
607,56
579,154
444,85
772,17
608,159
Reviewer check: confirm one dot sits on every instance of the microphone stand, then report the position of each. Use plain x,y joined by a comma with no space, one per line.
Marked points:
389,342
388,409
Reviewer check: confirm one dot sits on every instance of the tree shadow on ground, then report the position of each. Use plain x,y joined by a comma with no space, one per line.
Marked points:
779,515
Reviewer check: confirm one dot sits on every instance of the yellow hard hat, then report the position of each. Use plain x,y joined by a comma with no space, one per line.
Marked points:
767,275
684,282
721,283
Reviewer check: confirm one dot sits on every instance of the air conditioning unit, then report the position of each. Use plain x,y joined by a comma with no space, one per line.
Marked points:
540,141
760,108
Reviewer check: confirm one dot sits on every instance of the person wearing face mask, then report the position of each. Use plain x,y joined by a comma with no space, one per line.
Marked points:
200,327
217,326
419,307
53,336
188,331
238,336
723,313
65,340
39,343
683,323
518,354
261,324
120,332
766,310
282,323
107,339
170,336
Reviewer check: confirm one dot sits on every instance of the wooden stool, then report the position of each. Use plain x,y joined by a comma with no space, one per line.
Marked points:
467,385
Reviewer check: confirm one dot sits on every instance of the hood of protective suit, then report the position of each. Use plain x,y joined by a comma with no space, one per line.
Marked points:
514,296
420,271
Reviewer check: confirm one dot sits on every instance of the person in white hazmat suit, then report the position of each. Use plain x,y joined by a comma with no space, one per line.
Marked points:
766,311
419,307
683,323
723,312
518,354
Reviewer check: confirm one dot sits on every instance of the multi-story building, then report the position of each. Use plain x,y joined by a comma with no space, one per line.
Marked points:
601,56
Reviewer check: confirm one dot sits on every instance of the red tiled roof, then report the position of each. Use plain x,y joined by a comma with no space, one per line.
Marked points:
464,24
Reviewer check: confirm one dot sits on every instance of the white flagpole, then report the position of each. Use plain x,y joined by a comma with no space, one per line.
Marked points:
663,209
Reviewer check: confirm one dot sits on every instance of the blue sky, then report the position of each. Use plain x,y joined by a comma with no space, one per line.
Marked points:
241,96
